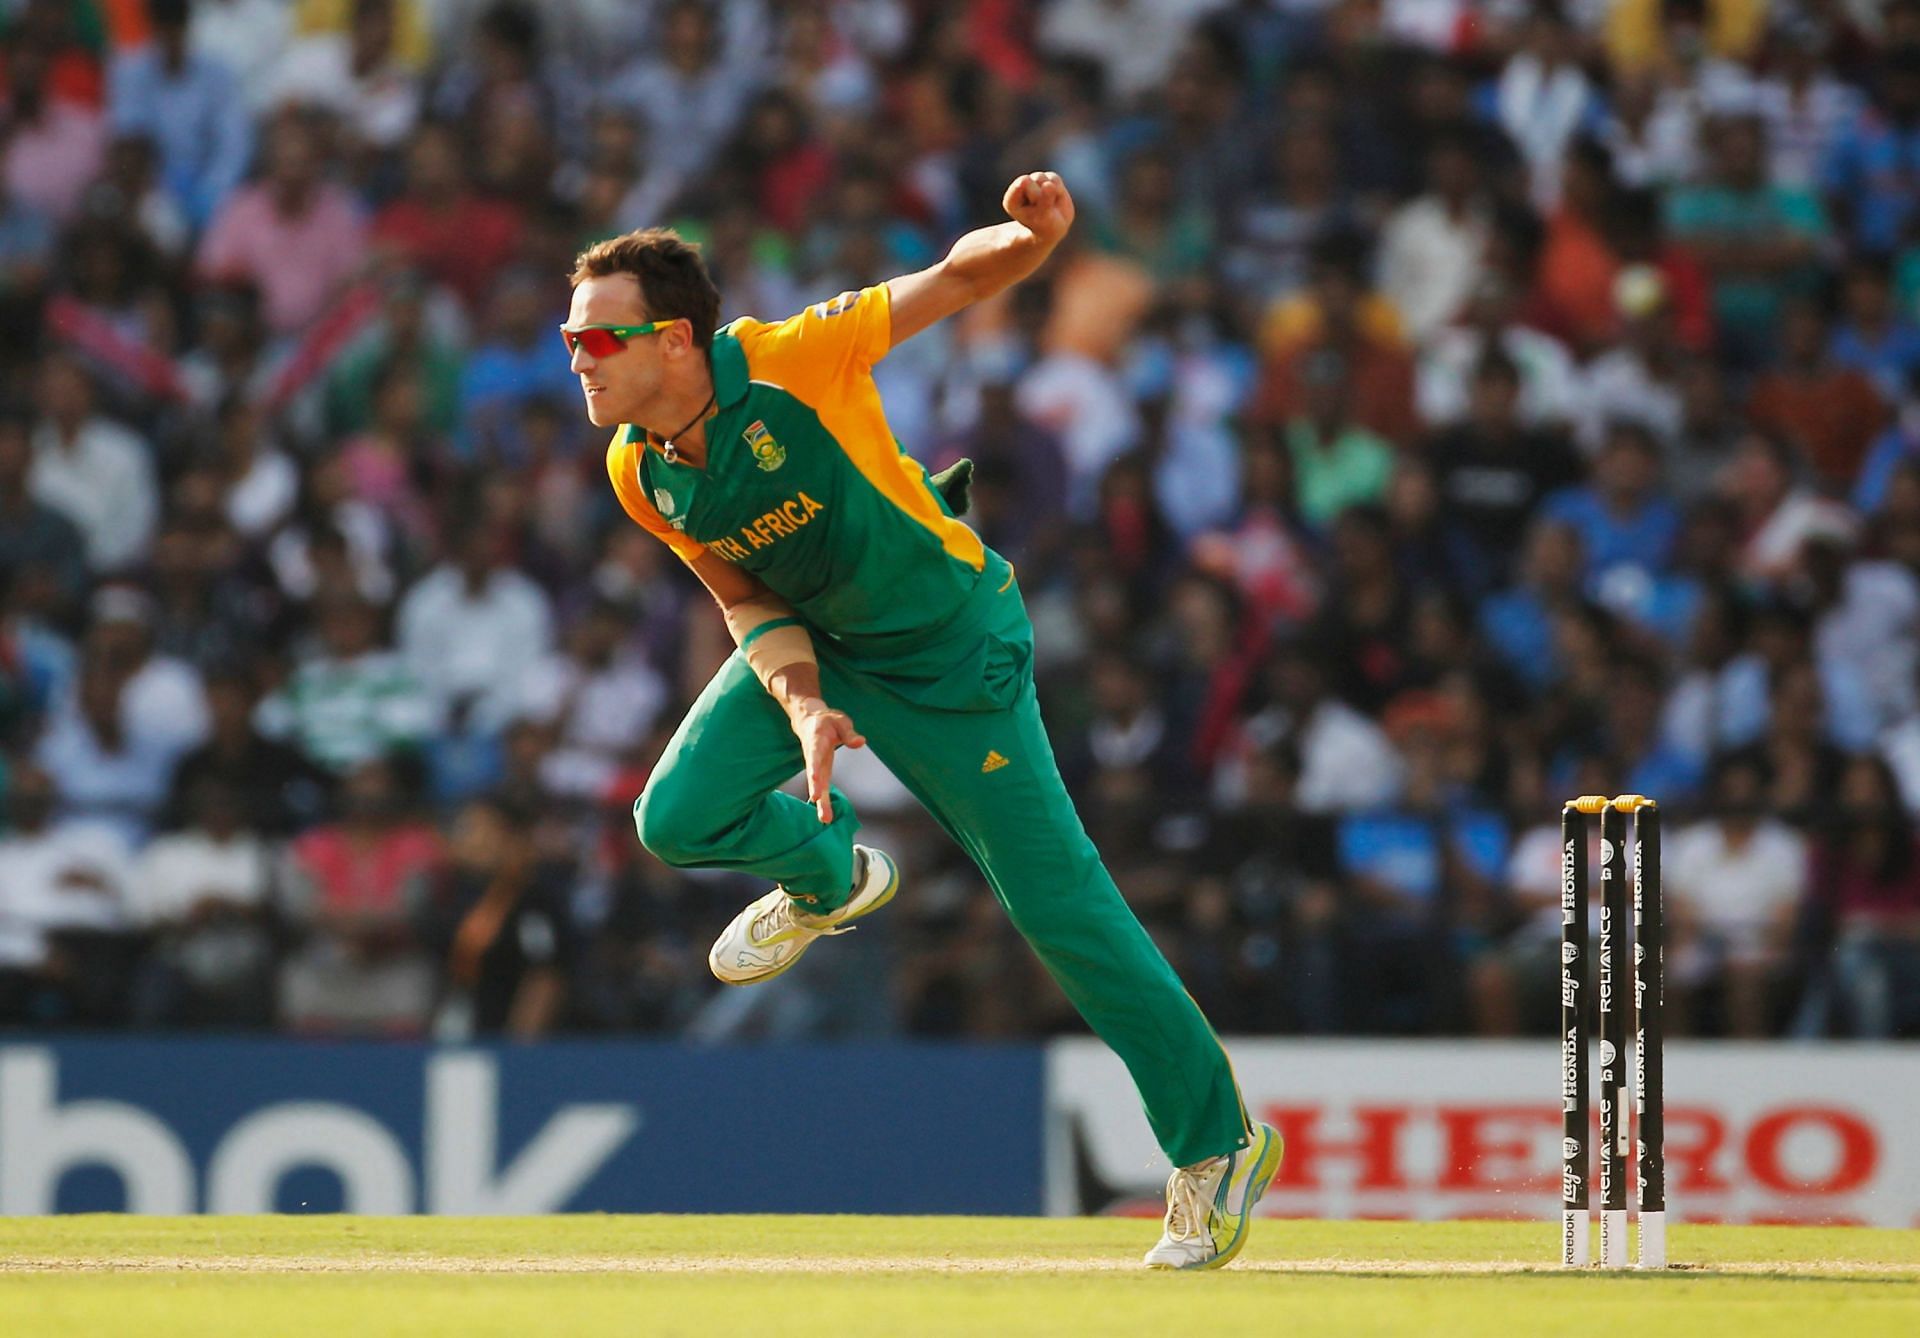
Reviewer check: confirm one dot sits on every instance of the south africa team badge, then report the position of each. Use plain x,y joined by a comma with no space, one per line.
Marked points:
768,454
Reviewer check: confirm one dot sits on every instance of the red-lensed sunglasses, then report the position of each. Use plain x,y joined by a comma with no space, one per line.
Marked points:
603,341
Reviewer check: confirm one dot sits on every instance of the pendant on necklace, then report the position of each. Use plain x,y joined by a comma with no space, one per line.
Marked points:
670,453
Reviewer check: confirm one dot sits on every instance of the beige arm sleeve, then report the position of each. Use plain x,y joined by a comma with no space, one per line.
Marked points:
769,634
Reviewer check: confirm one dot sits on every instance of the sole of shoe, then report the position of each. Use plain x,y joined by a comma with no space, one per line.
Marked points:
886,895
1272,1149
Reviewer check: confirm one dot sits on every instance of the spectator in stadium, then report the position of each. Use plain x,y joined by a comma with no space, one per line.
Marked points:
1652,135
203,894
163,698
354,891
1493,471
1895,452
349,701
1397,869
280,791
440,227
1627,525
1804,106
1866,623
1776,512
1338,311
1431,248
1336,461
333,542
188,103
1658,34
1711,427
293,235
1637,378
54,878
1134,42
248,37
56,136
499,914
105,774
513,363
96,471
1152,223
33,534
692,86
27,241
471,628
1759,239
599,696
1866,887
1544,98
1873,336
1491,323
360,77
1517,621
1735,887
1364,628
258,482
36,663
227,362
1865,174
1270,234
393,466
1346,762
408,331
1830,412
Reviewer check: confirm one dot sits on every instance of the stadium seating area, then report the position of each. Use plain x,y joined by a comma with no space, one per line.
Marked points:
1441,409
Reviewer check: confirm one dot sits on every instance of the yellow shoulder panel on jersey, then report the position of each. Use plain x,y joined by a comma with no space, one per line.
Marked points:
824,358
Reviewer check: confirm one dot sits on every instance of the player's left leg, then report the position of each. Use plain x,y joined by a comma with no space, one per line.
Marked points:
989,778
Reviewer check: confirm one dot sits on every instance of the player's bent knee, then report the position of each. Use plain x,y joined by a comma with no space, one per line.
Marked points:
667,821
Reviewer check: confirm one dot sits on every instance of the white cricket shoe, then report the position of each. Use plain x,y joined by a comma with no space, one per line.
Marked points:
768,936
1210,1205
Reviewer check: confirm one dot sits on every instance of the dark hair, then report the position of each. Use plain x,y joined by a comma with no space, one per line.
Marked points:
1630,432
1345,252
674,283
1496,363
1888,823
512,24
1087,78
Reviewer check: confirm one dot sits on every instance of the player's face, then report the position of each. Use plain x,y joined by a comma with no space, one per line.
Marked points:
619,385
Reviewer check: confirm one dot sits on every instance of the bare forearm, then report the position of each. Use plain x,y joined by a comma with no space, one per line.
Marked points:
796,687
989,259
1039,212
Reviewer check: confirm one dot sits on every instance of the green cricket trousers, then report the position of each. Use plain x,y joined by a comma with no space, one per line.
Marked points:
953,715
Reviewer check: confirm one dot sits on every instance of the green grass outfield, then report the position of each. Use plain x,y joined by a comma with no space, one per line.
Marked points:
708,1277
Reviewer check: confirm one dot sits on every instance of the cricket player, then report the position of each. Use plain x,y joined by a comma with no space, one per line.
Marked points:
865,612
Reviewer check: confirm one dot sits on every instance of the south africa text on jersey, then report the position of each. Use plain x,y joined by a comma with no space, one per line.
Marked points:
768,528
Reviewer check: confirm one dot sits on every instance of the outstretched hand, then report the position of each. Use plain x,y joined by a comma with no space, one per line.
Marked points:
1039,202
821,730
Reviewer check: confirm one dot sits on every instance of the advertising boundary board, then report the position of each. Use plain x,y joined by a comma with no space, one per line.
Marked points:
182,1126
1759,1132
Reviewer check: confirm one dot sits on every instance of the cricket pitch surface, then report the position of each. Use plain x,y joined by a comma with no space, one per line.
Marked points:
707,1277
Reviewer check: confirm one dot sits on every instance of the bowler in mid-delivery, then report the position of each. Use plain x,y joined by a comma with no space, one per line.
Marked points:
864,611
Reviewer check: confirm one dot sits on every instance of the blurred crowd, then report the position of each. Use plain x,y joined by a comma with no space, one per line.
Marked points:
1441,409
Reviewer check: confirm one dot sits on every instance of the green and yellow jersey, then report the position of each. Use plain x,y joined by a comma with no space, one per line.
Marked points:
804,483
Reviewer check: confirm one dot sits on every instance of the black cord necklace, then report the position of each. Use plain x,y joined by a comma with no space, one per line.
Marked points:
668,450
